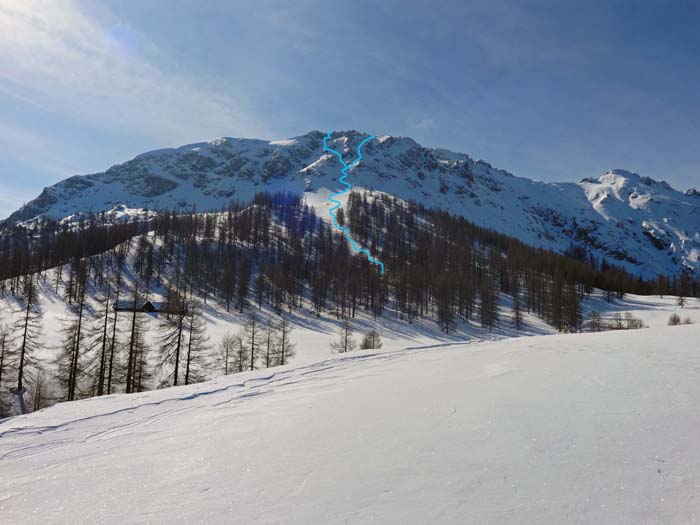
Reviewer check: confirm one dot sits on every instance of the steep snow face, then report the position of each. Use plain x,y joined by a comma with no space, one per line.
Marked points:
641,224
669,220
586,428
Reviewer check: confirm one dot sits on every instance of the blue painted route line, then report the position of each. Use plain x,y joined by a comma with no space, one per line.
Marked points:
347,167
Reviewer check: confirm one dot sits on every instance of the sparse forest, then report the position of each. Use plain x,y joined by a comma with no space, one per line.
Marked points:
273,253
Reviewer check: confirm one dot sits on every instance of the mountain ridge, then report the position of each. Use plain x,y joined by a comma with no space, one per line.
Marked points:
637,222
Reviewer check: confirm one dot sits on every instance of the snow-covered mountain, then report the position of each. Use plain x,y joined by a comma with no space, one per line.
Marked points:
641,224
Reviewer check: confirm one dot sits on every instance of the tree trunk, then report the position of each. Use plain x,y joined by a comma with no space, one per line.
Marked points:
103,355
131,363
20,373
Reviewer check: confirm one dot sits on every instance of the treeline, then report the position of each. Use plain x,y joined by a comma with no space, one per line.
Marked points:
102,347
273,251
439,261
45,244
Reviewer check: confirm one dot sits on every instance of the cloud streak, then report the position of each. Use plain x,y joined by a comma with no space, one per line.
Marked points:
93,68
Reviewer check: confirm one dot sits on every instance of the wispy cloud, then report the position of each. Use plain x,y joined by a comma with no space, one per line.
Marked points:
58,57
426,123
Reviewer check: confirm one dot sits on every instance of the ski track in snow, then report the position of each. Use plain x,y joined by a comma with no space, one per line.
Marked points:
346,167
549,429
250,388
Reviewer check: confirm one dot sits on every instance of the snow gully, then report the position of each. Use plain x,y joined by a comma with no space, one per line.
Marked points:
331,198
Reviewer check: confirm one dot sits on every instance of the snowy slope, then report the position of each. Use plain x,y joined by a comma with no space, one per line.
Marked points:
313,334
587,428
644,225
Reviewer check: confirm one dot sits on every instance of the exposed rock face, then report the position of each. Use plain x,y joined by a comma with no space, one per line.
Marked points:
634,221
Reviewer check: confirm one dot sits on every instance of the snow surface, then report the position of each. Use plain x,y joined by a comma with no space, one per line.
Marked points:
586,428
315,333
633,221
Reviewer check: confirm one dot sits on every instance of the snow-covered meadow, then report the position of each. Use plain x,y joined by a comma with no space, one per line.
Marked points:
583,428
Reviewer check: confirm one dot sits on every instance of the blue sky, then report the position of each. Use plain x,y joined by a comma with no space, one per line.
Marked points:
551,90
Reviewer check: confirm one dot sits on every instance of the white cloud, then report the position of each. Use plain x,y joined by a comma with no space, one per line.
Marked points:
426,123
58,57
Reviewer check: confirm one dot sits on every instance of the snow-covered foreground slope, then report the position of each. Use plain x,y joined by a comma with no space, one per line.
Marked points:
633,221
588,428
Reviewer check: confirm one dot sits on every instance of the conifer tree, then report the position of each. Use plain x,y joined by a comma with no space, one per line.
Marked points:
28,330
141,373
229,357
70,364
67,364
7,366
269,342
252,339
371,341
104,344
517,308
346,342
136,348
197,345
112,362
489,307
39,396
243,282
285,347
241,356
171,340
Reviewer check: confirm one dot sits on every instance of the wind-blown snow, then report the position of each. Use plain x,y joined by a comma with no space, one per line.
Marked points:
588,428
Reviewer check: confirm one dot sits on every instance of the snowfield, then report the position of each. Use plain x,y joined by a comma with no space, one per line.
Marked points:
585,428
633,221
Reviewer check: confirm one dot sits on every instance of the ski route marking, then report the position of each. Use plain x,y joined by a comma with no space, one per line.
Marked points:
331,198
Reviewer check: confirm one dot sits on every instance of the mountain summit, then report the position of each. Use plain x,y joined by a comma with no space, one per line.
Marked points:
641,224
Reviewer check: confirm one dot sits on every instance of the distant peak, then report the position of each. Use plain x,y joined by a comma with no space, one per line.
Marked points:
620,177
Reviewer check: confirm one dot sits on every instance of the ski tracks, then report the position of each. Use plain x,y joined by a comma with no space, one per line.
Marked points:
17,442
337,204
